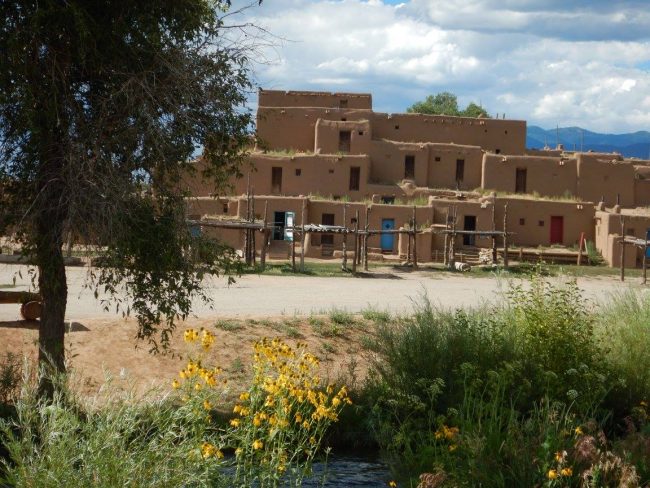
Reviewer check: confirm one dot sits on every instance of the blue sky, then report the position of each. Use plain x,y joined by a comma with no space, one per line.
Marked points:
580,62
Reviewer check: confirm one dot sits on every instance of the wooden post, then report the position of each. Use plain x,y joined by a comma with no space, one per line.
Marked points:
445,255
293,248
415,242
408,242
581,243
505,236
494,228
622,248
645,261
344,265
253,246
302,236
452,242
365,240
265,236
356,242
247,232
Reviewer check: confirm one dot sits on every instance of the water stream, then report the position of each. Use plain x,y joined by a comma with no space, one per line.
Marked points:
349,470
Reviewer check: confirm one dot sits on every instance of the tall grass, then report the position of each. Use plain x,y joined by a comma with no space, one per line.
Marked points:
490,396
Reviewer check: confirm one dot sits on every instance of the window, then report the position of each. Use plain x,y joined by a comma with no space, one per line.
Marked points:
497,151
540,223
437,159
388,200
345,136
360,132
460,170
276,179
343,119
355,176
225,208
331,171
343,104
522,221
520,180
397,127
409,167
298,171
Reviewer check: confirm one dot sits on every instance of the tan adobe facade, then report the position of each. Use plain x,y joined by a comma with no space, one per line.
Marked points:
326,151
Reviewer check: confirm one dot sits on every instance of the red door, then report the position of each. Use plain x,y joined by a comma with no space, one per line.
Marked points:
557,230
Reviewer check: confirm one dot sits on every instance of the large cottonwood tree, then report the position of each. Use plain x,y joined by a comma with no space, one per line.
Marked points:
102,105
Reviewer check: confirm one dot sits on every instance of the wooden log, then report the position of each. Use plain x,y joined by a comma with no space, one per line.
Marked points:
265,236
415,243
344,264
356,242
580,244
505,236
645,262
365,240
302,236
19,297
494,228
622,248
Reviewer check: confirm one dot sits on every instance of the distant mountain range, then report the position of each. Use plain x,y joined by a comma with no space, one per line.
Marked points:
633,145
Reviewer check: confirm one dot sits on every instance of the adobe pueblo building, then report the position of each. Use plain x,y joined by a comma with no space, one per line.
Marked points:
327,161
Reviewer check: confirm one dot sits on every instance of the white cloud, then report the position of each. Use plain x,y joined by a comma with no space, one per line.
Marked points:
548,61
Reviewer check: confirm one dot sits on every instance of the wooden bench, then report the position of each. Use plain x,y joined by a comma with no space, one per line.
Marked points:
30,303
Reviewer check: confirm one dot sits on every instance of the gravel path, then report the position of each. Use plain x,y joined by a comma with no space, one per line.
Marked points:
254,295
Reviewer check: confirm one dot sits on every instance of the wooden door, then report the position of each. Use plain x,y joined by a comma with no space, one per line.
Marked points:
557,230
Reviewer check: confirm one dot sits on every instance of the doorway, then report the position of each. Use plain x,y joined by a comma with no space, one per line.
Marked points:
469,223
520,180
557,229
327,239
278,226
387,240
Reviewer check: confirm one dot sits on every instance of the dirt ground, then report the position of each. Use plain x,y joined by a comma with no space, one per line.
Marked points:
98,348
100,342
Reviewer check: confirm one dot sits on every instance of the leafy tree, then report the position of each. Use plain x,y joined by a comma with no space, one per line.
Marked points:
446,103
473,110
102,106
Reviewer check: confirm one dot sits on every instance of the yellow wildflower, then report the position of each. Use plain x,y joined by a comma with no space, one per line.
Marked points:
207,450
244,396
234,422
207,405
392,484
552,474
578,431
566,472
176,384
258,444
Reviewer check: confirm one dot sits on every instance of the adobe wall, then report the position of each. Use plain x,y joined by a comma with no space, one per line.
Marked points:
481,210
280,98
534,229
293,128
548,176
608,231
304,174
388,161
642,186
328,133
442,166
506,136
605,175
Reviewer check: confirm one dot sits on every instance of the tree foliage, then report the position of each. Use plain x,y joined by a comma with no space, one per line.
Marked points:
446,103
103,104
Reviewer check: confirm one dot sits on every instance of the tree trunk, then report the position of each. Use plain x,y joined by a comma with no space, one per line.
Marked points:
54,292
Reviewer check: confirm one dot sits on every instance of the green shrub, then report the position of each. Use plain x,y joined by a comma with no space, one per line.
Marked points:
375,315
341,317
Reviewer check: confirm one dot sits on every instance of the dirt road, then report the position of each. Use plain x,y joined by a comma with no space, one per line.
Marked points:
256,296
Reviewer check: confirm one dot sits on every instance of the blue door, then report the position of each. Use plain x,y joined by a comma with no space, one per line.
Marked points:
387,239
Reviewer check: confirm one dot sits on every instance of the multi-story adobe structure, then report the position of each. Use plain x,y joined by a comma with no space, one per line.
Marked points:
323,151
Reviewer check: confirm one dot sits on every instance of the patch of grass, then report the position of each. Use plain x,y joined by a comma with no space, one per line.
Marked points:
377,316
341,317
237,366
228,325
328,348
318,269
